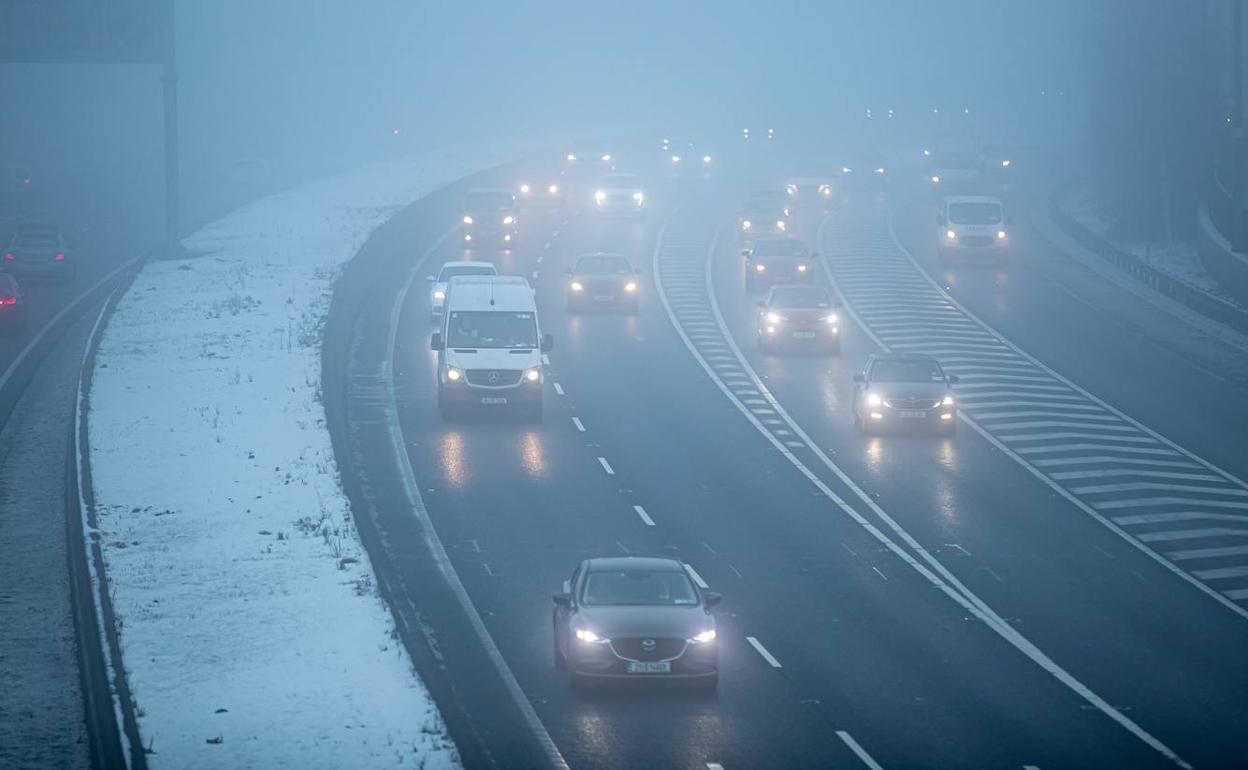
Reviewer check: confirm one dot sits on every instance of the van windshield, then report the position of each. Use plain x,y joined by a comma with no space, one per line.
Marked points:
975,213
491,329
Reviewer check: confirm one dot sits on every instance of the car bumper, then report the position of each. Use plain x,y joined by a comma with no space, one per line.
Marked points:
601,661
973,252
901,421
797,338
464,396
603,299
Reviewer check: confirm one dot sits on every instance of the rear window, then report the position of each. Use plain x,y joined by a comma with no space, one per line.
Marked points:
601,265
907,371
800,297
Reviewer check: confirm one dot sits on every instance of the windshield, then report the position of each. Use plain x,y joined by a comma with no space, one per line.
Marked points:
907,371
491,329
780,247
600,265
800,297
450,271
490,201
975,213
622,180
666,588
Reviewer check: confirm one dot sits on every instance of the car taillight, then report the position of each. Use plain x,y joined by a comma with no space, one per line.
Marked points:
8,300
10,256
60,256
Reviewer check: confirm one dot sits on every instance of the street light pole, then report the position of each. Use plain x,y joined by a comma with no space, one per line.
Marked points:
169,84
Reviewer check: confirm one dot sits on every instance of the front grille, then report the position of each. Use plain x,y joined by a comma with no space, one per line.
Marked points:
635,649
915,402
493,378
977,241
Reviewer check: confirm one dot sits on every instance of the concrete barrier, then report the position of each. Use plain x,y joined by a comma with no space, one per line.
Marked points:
1227,267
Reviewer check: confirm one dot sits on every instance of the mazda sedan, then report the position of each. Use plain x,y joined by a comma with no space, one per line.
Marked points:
639,618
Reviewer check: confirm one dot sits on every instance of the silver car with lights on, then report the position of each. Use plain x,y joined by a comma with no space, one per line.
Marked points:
632,617
904,391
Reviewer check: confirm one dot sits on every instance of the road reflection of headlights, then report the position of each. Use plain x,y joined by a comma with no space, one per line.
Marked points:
948,401
706,637
1000,235
675,158
630,287
439,295
467,219
533,375
577,286
585,635
452,374
873,399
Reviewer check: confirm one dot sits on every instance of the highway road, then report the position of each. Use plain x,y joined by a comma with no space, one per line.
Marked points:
1015,596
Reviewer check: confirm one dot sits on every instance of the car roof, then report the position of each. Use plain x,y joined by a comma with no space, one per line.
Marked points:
649,563
972,199
489,292
466,263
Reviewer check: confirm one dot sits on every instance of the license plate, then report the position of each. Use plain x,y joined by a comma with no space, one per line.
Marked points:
604,298
493,400
646,667
803,335
912,414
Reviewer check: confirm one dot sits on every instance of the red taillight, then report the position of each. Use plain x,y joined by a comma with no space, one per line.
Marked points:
8,300
10,256
60,256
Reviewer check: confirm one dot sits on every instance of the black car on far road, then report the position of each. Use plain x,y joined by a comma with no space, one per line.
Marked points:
904,391
606,281
635,618
799,317
775,260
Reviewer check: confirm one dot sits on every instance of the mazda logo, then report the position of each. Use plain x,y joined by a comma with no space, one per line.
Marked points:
493,377
647,645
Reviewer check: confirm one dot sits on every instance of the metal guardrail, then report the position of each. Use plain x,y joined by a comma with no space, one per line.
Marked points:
1197,299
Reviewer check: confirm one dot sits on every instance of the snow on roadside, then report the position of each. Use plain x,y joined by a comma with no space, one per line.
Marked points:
251,629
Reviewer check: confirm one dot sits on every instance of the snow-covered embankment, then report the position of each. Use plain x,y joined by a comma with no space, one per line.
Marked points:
251,630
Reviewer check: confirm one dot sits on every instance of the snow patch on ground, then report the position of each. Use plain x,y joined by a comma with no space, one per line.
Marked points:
1179,260
251,628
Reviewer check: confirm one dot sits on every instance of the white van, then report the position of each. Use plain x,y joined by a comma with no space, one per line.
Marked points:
973,228
490,347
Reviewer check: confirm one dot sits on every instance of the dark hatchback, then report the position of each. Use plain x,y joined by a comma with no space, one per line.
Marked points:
775,260
635,618
606,281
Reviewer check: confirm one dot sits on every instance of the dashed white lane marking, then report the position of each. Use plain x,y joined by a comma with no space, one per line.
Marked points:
767,656
606,466
714,766
579,425
645,517
547,246
693,573
540,257
534,275
858,750
559,389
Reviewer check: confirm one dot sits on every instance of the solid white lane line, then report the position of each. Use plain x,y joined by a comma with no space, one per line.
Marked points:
859,751
579,425
693,573
767,656
559,389
606,466
645,517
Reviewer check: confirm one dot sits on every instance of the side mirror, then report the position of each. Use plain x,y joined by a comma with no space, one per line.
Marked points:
860,378
940,219
710,599
954,379
562,599
435,342
431,278
548,343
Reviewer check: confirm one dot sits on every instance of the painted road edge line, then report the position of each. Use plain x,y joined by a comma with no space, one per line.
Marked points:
645,517
858,750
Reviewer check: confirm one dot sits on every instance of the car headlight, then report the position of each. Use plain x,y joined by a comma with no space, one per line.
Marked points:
571,158
675,158
639,196
951,235
746,224
935,179
606,157
706,160
831,318
1005,163
873,399
467,219
780,224
801,268
947,401
630,287
577,286
791,189
706,637
509,219
846,170
524,189
1000,235
585,635
824,190
453,374
774,318
533,375
880,171
439,295
600,196
553,189
760,268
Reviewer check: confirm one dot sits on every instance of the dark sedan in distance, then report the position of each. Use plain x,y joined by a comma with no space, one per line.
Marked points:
796,317
633,617
900,391
777,259
606,281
